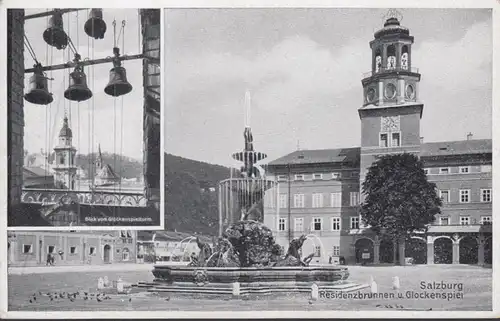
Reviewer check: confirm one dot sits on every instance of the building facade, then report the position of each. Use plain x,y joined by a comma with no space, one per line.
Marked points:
319,190
31,248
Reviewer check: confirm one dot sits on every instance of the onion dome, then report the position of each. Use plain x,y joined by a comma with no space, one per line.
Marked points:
392,26
65,130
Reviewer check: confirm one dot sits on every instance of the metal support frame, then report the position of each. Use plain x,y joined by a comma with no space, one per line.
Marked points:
49,13
72,64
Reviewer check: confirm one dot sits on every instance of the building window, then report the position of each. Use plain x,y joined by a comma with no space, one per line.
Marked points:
336,250
464,220
299,177
444,170
92,250
282,224
129,234
486,195
283,201
50,249
122,233
72,250
354,174
318,176
396,140
335,223
27,248
354,222
383,140
465,196
298,200
444,220
335,199
354,198
299,224
445,196
282,178
464,169
485,220
317,251
486,168
317,223
335,175
126,254
317,200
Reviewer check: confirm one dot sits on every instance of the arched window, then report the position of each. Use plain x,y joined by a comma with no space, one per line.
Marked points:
391,57
378,60
125,254
404,57
61,160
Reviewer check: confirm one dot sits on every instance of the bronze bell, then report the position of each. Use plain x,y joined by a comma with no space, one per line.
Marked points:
39,92
118,84
55,35
95,26
78,90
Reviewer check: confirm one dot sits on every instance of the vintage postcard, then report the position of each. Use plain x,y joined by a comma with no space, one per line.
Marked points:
84,117
321,160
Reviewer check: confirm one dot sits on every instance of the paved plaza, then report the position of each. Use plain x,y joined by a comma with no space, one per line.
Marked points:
476,281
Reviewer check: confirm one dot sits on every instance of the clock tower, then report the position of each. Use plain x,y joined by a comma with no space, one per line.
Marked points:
391,112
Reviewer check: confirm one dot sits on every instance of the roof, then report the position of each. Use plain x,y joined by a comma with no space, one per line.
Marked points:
452,148
352,154
319,156
65,130
107,173
37,171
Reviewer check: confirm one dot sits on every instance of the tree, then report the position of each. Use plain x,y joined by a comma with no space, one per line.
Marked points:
398,198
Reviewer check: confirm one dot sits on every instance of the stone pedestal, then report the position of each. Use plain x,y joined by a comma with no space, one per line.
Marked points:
401,247
480,251
456,253
376,253
430,253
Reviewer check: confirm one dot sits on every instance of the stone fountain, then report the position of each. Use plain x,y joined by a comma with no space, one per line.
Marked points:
246,259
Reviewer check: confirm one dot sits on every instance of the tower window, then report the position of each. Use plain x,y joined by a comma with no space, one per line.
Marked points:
383,142
378,60
404,58
391,57
61,160
396,140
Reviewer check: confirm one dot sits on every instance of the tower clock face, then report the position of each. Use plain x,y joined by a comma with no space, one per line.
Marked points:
370,95
410,92
390,123
390,91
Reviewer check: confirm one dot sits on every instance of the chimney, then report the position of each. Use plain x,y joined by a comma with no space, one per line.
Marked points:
421,140
469,136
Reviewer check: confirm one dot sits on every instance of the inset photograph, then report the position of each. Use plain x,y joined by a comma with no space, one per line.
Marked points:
84,117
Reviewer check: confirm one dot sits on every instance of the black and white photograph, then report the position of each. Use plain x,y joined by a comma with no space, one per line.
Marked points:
304,161
84,117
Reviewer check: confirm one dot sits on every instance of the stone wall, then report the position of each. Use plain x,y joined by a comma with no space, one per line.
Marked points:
15,92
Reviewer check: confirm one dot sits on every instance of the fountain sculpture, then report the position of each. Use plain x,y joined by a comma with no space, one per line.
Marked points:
246,253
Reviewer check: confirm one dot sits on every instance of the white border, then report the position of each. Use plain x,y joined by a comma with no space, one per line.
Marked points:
263,3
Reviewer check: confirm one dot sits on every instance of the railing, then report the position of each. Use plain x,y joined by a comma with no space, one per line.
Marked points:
383,70
109,198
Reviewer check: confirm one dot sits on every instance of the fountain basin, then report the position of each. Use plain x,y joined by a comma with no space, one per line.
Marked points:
207,275
248,281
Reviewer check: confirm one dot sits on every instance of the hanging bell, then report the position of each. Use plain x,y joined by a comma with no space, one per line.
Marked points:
38,93
118,84
55,35
78,90
95,26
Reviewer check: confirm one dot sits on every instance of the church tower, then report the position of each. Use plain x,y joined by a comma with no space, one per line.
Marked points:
64,163
391,112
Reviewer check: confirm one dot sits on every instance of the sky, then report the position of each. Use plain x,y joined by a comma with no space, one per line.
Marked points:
114,123
303,69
